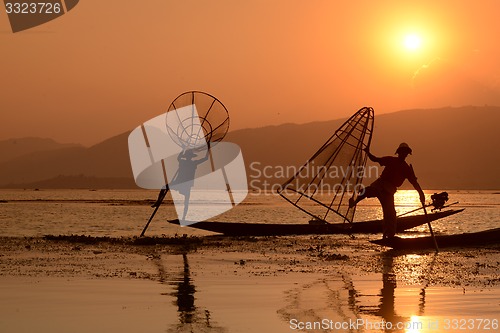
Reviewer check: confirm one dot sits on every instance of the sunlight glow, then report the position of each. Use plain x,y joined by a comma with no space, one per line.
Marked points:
412,42
415,325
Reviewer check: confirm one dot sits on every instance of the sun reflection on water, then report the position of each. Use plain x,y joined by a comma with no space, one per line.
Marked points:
414,268
406,200
415,325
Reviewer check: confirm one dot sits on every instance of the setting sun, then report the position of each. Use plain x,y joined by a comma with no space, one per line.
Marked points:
412,42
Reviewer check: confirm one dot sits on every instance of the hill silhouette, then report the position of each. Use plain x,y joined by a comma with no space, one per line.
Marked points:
12,148
107,159
453,148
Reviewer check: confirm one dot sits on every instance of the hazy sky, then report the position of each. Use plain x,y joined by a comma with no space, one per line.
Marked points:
109,65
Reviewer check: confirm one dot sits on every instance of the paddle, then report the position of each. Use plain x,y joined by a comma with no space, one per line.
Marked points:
149,221
159,202
430,228
427,217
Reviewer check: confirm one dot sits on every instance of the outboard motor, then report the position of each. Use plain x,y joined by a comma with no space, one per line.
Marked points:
439,200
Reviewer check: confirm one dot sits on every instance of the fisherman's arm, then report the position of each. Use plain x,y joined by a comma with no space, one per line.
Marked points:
421,194
413,180
372,157
203,159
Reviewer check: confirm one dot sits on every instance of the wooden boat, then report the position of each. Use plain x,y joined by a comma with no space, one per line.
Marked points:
480,238
274,229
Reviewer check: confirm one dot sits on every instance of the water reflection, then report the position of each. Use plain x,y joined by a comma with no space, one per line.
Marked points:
386,309
421,303
412,312
374,300
190,317
185,294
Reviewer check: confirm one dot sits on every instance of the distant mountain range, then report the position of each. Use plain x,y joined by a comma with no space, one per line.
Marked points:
453,148
13,148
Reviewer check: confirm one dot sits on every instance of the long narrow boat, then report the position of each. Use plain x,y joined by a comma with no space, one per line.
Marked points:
274,229
480,238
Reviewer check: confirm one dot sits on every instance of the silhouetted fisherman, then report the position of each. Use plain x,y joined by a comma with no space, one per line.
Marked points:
184,179
395,172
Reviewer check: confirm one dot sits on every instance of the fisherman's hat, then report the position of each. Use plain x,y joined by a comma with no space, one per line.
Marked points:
404,146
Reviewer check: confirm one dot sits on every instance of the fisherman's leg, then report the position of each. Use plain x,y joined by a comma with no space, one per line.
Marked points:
369,192
387,202
161,196
187,195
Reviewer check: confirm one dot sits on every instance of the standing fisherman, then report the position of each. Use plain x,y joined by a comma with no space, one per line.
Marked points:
395,172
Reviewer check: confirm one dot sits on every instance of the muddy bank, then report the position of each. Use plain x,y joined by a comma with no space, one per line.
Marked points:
107,257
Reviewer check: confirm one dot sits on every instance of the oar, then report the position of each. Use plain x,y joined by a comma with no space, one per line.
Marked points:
160,201
427,218
149,221
430,228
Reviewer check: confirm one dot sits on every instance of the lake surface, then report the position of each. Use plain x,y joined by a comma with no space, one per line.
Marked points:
196,296
125,212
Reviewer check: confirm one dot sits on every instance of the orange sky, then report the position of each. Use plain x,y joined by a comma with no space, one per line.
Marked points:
107,66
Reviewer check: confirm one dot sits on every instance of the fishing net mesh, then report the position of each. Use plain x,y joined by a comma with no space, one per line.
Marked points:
203,119
323,186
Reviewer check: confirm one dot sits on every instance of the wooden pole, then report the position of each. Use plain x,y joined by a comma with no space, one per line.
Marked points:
149,221
159,201
427,218
430,228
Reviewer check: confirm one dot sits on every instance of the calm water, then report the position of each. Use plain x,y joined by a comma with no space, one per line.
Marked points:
125,212
190,299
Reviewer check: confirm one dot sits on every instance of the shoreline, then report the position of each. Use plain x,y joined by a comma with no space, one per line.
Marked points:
304,254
